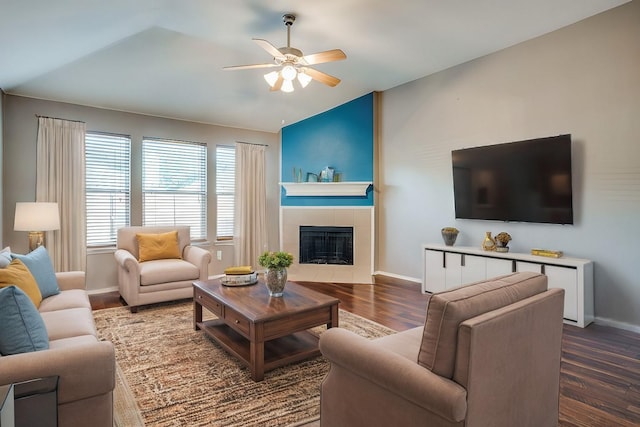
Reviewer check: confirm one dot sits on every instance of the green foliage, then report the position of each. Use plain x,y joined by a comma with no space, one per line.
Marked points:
275,259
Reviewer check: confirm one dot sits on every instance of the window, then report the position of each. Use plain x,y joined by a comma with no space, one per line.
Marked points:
174,184
107,186
225,190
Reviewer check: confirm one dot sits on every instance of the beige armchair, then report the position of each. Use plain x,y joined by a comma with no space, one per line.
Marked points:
159,280
488,355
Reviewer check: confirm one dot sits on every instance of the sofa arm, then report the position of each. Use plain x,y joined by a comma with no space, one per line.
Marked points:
199,257
394,373
71,280
127,261
85,370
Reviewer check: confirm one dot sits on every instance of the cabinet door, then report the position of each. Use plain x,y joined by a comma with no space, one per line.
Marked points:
434,271
453,270
567,279
498,267
474,269
528,266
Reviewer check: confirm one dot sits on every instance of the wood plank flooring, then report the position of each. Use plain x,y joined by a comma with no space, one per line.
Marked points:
600,371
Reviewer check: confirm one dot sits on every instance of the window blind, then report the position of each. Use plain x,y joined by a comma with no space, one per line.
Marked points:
225,190
174,184
107,186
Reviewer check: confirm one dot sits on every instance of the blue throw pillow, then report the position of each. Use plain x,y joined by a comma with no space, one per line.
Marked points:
22,329
41,267
5,257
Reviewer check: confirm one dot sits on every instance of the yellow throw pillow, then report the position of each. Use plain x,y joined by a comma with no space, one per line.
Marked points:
18,274
158,246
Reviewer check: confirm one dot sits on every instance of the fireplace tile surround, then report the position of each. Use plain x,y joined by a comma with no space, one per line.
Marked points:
360,218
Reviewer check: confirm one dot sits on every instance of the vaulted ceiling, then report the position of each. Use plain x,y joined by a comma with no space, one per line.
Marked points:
166,57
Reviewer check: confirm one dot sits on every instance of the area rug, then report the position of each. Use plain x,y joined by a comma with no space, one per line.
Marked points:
179,377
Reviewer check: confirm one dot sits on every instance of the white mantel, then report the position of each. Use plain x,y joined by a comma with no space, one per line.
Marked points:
345,188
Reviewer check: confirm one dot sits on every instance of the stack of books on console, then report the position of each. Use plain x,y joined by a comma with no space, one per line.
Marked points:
239,276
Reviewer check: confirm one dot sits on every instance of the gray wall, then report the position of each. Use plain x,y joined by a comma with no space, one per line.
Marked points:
584,80
20,134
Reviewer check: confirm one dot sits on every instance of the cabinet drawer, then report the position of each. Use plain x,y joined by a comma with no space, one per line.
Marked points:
236,321
213,306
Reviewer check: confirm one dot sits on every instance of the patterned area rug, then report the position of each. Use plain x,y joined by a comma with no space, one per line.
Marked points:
179,377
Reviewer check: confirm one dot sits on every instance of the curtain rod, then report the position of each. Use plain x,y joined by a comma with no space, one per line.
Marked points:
58,118
251,143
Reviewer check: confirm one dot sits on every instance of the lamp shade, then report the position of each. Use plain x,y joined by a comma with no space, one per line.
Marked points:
36,216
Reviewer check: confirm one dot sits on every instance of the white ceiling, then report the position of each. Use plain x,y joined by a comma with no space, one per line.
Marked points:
165,57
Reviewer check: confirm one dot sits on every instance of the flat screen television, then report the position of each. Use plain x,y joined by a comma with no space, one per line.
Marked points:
523,181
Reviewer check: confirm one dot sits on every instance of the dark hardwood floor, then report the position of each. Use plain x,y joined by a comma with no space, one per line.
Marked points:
600,371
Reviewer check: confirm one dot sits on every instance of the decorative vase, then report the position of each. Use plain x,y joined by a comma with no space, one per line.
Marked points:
488,244
275,279
449,235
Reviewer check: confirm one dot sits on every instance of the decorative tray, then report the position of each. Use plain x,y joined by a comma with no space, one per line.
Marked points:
232,284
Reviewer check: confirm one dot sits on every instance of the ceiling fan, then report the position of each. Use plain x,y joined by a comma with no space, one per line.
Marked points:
293,64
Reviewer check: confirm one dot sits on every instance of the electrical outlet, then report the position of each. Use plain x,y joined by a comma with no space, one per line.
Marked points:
219,255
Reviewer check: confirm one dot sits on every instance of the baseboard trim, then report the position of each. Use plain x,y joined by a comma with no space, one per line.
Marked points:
616,324
102,290
395,279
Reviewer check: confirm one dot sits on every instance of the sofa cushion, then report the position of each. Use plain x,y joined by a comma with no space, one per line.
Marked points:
16,273
22,327
158,246
166,271
39,264
446,310
73,298
69,323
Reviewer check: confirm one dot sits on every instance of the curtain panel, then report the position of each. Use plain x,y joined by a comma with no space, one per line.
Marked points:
250,234
60,177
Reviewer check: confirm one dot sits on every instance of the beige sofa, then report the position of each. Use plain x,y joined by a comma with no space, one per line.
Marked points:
488,355
160,280
85,365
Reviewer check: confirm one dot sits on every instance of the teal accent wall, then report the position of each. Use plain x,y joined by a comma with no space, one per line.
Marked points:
341,138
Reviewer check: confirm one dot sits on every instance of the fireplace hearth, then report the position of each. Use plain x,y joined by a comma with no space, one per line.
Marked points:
326,245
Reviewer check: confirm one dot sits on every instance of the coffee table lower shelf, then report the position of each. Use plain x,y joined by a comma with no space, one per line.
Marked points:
277,352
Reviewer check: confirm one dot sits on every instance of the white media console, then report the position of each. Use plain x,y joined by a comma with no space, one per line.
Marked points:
447,267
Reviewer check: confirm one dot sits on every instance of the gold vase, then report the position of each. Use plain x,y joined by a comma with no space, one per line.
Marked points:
488,244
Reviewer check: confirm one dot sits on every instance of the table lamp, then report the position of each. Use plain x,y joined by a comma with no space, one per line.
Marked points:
36,218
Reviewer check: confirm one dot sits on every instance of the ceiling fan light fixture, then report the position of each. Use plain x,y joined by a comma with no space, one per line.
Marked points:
271,78
287,86
304,79
289,72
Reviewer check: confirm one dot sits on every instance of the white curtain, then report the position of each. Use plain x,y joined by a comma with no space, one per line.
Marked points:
60,178
250,235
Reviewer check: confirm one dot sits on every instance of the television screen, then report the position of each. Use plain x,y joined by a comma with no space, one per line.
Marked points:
524,181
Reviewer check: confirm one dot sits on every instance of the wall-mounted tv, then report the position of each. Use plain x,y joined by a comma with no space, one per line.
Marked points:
524,181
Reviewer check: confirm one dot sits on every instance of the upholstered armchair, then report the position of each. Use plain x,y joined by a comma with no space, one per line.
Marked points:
488,355
154,276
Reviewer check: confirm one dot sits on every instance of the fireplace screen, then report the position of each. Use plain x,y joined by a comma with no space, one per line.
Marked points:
326,245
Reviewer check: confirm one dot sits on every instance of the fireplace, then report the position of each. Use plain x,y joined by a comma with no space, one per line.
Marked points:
326,245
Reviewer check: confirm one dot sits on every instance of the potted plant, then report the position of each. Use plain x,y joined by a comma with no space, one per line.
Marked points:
276,264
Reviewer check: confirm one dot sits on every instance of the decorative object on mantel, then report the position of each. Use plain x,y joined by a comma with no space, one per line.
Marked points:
297,175
488,244
449,234
275,275
312,177
326,175
502,240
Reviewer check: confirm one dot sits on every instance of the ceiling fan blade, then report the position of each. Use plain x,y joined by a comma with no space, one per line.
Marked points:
278,83
321,77
326,56
271,49
248,67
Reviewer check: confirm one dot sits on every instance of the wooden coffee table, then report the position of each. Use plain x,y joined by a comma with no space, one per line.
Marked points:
263,332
